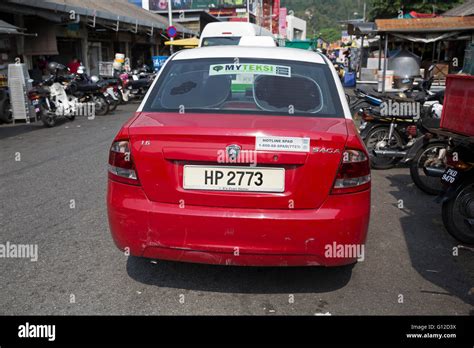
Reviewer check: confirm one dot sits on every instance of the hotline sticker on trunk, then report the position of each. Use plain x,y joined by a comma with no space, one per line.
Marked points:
282,144
250,68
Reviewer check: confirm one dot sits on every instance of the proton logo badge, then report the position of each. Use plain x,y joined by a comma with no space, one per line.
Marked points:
233,151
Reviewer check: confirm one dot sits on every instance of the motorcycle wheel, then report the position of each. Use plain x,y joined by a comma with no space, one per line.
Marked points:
101,105
428,184
376,135
48,119
113,104
458,211
120,98
6,114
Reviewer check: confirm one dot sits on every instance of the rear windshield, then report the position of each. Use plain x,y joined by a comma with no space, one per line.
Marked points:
239,86
220,41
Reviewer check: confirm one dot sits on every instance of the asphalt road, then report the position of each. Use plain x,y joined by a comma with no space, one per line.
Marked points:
409,266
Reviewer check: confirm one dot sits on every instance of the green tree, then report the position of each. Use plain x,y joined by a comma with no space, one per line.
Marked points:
323,17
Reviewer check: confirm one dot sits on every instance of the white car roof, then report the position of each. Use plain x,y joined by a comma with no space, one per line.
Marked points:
230,51
235,29
257,41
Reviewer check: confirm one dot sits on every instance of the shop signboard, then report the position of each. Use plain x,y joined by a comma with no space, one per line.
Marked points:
275,16
162,5
282,22
159,61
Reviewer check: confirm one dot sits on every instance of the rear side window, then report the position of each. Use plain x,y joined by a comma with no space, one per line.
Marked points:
240,86
220,41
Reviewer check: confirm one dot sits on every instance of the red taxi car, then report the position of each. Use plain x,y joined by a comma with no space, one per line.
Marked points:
241,156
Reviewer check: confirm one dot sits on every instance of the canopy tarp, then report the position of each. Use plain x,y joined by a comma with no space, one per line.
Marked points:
191,42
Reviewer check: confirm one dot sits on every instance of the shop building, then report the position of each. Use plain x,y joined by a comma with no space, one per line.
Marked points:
92,31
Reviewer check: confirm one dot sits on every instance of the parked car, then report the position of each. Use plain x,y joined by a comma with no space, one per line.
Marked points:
255,162
231,33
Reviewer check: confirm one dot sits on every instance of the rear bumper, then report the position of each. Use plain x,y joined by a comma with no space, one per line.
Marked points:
234,236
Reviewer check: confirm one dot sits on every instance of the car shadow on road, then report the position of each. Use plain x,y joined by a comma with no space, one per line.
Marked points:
429,245
234,279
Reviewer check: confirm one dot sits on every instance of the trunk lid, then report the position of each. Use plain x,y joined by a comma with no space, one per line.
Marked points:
163,143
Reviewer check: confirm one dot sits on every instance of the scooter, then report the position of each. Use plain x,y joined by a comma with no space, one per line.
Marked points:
50,100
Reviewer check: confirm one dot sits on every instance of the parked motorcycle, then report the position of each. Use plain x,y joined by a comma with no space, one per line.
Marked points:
458,198
49,98
115,90
87,91
389,137
364,99
136,84
427,157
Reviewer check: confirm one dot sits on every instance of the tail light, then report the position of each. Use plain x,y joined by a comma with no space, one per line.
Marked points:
412,130
121,166
33,95
353,174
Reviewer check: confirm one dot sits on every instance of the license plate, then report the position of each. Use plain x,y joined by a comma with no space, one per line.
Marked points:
450,176
35,102
249,179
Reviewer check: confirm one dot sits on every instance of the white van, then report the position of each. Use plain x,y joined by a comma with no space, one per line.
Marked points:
229,33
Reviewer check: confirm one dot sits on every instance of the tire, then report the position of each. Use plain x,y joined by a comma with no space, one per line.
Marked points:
101,105
454,213
48,119
6,115
427,184
71,118
113,104
382,162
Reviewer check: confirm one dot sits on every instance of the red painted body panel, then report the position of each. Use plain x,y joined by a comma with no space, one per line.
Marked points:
159,219
179,139
264,237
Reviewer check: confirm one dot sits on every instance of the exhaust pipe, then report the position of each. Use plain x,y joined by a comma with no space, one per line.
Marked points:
433,171
389,153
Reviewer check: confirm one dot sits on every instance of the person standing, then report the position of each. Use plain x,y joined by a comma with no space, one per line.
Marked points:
73,65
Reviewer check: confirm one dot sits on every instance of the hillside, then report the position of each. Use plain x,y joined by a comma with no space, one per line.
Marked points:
322,16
